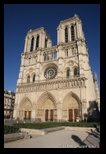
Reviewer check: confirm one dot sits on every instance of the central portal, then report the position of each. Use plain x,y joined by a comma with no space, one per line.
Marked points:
46,108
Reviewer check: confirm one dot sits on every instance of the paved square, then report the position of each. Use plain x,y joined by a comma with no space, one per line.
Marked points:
57,139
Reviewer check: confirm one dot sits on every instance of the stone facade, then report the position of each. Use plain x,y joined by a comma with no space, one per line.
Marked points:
9,100
55,83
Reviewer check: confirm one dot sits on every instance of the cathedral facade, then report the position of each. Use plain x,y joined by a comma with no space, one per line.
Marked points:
55,83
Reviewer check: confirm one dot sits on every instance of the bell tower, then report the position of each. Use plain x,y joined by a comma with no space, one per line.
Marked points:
37,39
69,30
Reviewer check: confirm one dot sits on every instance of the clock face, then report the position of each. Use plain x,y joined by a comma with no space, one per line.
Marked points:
50,73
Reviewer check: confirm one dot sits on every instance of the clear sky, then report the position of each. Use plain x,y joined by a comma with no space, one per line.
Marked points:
20,18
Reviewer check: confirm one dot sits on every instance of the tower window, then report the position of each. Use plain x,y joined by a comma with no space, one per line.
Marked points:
34,77
37,42
28,79
45,43
68,73
76,72
66,34
72,33
32,44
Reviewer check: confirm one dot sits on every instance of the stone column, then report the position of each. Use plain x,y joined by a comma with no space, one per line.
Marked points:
80,29
38,56
77,28
29,45
34,48
25,47
62,35
33,115
69,33
75,31
67,119
73,115
40,40
59,113
43,40
42,57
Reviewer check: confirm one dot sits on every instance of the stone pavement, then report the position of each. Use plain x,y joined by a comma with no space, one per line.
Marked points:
59,139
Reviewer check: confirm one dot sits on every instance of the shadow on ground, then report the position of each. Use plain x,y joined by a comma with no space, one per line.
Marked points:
79,141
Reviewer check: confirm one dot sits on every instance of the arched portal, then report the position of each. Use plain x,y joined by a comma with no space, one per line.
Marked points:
71,107
46,107
25,109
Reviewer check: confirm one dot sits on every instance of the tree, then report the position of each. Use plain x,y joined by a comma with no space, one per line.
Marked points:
93,112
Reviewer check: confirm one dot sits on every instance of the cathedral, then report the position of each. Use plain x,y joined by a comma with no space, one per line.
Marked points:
55,83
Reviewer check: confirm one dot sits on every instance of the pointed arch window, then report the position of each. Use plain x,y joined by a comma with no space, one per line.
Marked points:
68,73
34,77
66,34
37,42
72,33
45,43
28,79
32,44
76,72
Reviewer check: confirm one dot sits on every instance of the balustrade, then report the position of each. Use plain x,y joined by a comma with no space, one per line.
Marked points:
52,84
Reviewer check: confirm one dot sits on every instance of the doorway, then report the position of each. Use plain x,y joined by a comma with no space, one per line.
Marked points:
70,115
46,114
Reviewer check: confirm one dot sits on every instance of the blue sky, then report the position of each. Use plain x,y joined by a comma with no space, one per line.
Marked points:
20,18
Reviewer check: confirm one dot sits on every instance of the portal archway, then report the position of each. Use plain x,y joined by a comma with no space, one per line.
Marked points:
25,109
46,107
71,107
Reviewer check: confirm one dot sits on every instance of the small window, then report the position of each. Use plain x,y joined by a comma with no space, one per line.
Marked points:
28,79
45,43
72,33
68,73
33,77
76,72
37,42
32,44
66,34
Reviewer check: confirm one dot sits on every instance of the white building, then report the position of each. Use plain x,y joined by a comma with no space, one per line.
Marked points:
55,82
9,100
